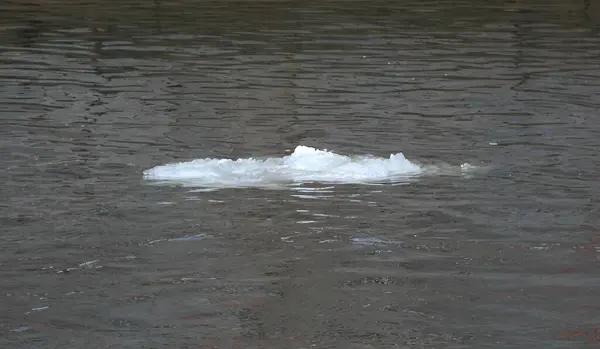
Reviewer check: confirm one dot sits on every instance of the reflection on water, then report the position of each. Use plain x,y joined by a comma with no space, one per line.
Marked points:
92,95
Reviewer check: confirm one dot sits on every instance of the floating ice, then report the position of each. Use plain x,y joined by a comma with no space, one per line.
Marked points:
304,165
20,329
40,308
89,264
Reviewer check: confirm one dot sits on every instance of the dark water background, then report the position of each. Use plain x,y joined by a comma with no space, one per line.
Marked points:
92,94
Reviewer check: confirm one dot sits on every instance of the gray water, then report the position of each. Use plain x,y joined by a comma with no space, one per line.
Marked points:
93,256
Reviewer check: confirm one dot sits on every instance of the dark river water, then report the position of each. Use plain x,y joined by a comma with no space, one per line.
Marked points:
501,252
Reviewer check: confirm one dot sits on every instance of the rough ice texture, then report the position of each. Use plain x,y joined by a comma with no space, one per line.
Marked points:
305,164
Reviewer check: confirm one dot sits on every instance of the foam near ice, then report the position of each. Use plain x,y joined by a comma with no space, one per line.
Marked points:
305,164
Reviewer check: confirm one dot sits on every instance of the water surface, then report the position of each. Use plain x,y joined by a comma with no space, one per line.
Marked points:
95,255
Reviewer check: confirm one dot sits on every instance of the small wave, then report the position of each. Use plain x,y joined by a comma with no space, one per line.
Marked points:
373,241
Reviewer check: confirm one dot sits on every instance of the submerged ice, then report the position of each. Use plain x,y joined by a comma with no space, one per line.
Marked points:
305,164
